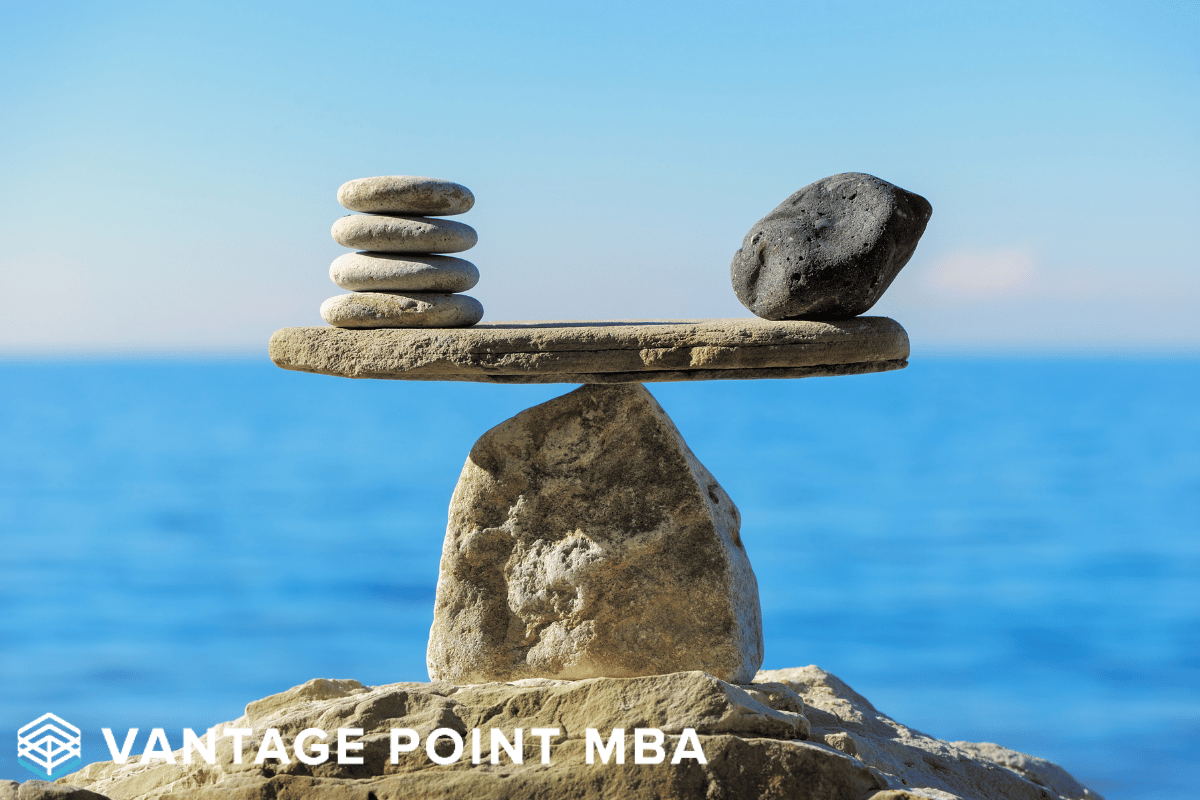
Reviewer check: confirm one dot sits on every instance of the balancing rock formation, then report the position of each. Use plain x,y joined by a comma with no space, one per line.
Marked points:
400,281
590,561
585,540
830,250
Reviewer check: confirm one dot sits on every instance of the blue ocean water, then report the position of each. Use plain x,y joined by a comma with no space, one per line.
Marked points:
994,549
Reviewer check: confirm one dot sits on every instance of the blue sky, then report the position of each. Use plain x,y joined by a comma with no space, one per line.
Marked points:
170,171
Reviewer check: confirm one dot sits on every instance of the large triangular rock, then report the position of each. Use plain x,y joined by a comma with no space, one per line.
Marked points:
586,540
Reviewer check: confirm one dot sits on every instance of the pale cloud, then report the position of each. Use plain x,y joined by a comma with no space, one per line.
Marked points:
984,274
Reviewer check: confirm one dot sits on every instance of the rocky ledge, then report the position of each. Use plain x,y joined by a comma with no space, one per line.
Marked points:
792,733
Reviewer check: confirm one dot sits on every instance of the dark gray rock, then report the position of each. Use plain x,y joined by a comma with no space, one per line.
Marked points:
830,250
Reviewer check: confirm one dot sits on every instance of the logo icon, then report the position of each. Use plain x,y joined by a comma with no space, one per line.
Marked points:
48,741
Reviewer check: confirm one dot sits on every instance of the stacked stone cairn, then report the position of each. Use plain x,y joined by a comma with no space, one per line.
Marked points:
401,277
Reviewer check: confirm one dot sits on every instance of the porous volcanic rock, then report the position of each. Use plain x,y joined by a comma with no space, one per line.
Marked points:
586,540
403,234
401,310
830,250
406,194
799,734
402,272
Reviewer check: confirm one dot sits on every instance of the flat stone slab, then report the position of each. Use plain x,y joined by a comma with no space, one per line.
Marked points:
600,352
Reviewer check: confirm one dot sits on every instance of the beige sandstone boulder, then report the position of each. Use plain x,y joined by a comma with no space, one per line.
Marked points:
44,790
753,739
913,761
585,540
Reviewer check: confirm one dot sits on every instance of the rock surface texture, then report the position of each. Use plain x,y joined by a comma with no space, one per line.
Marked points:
401,310
406,194
600,352
585,540
44,790
830,250
799,734
400,234
400,272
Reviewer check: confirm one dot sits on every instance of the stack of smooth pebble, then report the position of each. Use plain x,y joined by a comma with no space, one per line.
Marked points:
398,281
